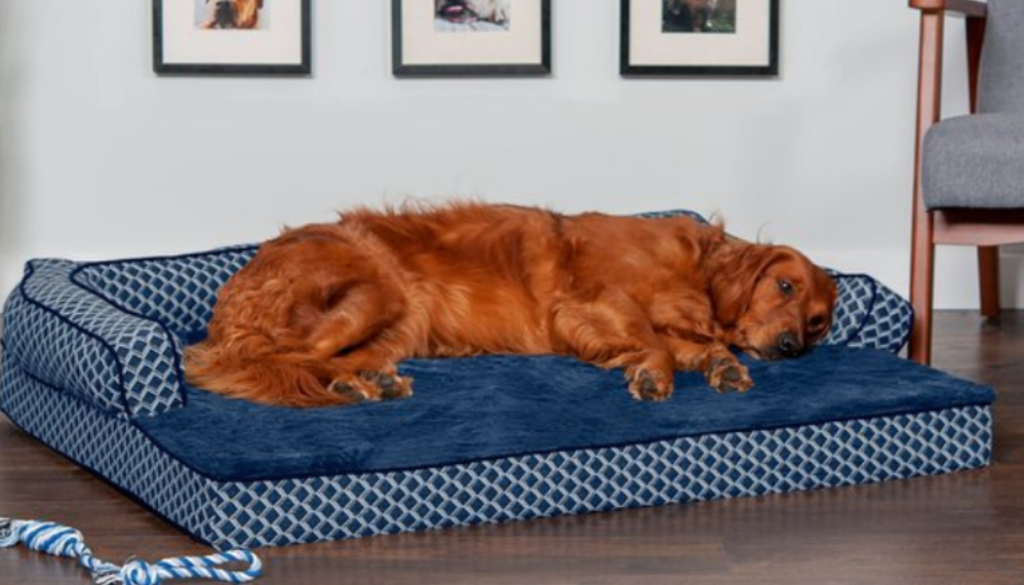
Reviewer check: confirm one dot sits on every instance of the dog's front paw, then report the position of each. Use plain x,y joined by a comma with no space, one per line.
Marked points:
390,386
727,374
649,385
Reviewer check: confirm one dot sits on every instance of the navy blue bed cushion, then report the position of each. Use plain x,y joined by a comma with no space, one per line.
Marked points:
493,406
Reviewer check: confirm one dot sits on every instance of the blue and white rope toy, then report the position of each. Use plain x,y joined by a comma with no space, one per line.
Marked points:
67,542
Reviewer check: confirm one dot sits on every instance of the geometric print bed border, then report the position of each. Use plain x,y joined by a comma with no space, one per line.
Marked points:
290,511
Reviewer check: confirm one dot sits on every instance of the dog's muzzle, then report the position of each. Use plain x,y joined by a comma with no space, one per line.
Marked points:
224,14
456,11
789,346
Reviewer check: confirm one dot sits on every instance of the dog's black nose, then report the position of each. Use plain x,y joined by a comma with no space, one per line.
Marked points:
789,345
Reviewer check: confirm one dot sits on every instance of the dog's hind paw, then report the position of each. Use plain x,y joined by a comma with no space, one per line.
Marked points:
727,374
372,386
347,390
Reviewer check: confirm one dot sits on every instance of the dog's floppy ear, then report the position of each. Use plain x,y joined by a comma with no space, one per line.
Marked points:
735,272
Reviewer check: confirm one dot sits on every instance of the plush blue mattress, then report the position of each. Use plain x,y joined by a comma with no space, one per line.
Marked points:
91,367
486,407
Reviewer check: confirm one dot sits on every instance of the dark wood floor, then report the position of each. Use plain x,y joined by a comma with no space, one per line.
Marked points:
960,528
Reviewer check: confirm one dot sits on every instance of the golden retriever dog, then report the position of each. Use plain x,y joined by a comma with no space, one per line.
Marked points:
323,314
463,11
241,14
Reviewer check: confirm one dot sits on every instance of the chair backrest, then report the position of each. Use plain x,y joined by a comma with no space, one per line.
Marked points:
1002,58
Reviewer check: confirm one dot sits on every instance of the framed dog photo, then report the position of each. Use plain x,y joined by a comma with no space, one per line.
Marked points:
254,37
700,37
471,37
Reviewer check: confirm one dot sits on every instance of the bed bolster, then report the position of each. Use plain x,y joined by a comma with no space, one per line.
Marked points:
868,315
70,338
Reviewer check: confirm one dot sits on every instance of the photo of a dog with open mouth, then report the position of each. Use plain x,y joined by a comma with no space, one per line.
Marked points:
323,314
472,15
698,16
231,14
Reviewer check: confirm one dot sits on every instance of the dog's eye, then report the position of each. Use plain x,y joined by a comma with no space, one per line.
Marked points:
816,323
786,287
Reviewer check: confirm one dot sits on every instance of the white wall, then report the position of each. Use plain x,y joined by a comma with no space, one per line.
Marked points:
100,158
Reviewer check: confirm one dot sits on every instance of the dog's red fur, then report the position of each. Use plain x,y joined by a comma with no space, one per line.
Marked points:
323,314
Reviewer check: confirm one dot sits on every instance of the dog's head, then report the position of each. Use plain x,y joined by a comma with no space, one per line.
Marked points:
774,301
459,11
234,13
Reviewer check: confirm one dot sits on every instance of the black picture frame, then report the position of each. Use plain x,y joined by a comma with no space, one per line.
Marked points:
628,69
163,67
401,68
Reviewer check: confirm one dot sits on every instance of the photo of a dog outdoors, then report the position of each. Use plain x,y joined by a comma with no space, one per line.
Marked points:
698,16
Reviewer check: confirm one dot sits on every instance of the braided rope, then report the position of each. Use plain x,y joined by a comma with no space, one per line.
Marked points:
63,541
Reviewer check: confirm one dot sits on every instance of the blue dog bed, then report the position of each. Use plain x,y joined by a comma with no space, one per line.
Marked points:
91,367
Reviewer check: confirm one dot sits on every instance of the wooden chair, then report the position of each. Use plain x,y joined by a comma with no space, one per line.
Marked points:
968,170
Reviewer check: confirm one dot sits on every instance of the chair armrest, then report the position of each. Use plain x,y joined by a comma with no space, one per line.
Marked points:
929,88
970,8
931,52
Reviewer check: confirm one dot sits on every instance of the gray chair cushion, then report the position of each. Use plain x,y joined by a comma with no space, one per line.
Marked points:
975,161
1002,58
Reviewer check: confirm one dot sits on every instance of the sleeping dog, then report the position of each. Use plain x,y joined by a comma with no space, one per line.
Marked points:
324,313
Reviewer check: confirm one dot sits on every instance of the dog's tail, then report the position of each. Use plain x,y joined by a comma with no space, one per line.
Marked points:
251,368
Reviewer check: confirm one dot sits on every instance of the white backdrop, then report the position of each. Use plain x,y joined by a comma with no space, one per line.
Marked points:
101,158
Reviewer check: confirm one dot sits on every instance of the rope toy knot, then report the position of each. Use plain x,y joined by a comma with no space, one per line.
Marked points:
62,541
10,533
138,572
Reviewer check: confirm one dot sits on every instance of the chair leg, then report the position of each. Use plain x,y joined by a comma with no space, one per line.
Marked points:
988,279
922,270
